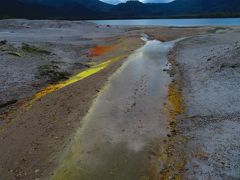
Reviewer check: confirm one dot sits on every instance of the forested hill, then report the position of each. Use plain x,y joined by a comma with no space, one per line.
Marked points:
95,9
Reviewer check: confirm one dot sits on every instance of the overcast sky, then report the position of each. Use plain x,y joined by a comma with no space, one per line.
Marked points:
145,1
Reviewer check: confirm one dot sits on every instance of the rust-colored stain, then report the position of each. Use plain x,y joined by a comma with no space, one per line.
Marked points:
175,101
100,50
168,159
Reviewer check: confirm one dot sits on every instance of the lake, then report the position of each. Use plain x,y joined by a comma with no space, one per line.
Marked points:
173,22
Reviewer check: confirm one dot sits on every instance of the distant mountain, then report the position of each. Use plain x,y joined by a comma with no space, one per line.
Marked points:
95,9
132,9
92,4
179,8
204,6
41,9
15,8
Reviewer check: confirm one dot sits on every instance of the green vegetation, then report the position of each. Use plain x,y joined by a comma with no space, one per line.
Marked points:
9,49
214,30
15,53
53,73
33,49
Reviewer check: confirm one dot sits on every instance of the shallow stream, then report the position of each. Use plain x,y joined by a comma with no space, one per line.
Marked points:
116,136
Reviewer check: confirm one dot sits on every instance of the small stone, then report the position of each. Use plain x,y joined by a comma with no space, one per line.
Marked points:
37,170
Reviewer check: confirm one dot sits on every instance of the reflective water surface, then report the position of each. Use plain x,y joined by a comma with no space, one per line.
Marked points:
128,116
173,22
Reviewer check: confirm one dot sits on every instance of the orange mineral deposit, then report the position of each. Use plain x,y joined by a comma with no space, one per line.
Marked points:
100,50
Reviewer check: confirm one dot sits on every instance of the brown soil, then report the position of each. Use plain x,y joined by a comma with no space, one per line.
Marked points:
169,33
32,139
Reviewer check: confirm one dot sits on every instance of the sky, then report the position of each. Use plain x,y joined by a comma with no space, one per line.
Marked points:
144,1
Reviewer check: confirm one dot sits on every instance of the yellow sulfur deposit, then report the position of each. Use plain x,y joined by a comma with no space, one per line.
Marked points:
175,101
170,156
82,75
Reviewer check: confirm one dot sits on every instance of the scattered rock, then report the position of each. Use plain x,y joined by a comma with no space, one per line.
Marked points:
3,42
228,65
209,59
37,171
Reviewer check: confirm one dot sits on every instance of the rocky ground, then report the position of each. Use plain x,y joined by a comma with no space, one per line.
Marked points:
210,67
35,54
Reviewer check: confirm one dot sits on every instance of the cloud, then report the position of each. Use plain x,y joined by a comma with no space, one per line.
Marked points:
144,1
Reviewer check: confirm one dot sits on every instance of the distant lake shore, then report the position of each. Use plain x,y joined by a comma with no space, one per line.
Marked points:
172,22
